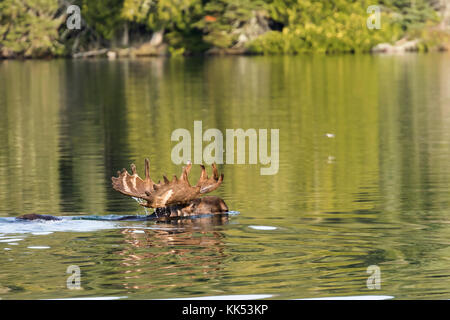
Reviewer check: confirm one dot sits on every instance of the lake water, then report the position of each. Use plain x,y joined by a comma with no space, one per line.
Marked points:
363,179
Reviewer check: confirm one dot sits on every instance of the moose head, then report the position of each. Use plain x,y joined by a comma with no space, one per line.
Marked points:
175,198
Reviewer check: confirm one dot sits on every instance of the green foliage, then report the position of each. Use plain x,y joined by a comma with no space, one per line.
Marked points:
176,52
186,42
34,27
163,14
411,14
327,27
431,39
29,28
177,17
224,19
104,16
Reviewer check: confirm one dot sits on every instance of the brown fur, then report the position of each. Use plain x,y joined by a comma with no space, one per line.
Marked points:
34,216
170,199
198,206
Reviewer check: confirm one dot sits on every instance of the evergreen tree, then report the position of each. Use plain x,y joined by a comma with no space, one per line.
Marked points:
29,28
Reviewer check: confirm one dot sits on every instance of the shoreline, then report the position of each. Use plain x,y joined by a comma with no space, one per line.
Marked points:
118,53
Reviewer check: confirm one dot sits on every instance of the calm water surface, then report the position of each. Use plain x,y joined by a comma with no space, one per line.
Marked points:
364,177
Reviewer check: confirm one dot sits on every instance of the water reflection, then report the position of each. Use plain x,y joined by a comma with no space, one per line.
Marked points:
364,174
190,249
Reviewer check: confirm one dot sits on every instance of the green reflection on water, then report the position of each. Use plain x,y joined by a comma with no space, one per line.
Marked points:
364,174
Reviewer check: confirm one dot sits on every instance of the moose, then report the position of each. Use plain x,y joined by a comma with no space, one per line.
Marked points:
170,199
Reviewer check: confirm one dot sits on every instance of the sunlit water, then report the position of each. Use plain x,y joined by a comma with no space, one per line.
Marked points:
364,178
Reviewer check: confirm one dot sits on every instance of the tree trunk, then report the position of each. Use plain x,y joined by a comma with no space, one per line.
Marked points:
125,35
157,38
445,14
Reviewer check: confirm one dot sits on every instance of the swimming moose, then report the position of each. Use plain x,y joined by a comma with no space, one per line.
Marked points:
170,199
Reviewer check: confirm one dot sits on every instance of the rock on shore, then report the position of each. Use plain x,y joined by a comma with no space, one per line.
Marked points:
400,46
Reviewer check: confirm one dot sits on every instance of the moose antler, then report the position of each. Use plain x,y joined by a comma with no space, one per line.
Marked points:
162,194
